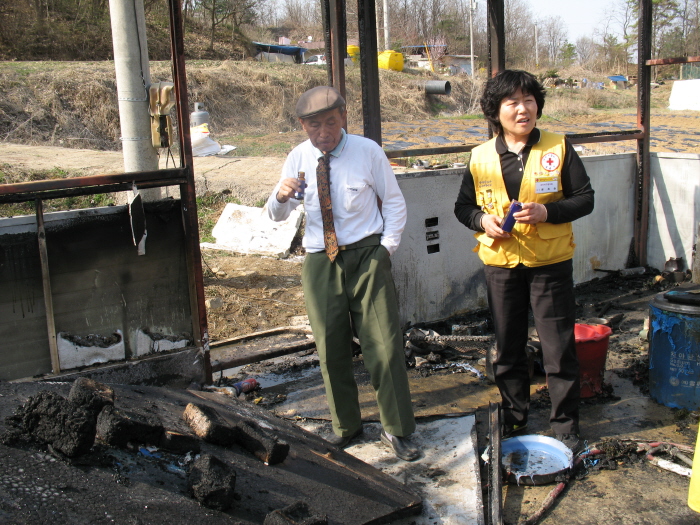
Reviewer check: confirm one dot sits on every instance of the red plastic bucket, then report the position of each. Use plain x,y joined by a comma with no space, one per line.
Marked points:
591,350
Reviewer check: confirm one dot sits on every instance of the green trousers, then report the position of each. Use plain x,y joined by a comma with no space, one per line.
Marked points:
358,285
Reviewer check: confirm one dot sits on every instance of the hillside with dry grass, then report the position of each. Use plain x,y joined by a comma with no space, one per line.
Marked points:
74,104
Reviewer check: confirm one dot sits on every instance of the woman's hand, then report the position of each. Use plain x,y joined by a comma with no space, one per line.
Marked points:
532,213
492,226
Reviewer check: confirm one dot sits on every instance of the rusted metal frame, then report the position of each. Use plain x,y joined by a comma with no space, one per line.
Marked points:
604,136
643,182
574,138
326,21
369,70
676,60
339,46
27,196
419,152
496,35
46,280
97,182
187,192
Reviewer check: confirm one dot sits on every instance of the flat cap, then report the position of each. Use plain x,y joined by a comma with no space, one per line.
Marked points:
317,100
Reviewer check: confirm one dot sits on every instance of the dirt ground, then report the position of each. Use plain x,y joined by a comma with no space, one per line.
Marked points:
260,293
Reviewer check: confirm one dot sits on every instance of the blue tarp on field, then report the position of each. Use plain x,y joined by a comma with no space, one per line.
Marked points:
618,78
294,51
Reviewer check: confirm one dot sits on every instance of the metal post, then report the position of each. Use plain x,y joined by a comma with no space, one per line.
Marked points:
641,228
496,36
48,296
339,46
326,18
369,69
187,192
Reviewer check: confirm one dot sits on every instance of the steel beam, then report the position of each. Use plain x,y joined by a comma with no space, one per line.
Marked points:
188,199
336,64
496,36
369,69
641,225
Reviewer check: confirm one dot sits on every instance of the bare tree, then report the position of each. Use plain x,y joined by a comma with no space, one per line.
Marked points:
519,30
585,49
553,37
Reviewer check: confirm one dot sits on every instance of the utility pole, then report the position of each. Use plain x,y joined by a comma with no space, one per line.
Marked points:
133,78
472,7
385,9
537,53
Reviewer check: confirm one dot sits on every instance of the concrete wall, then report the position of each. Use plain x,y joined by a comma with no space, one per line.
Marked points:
100,285
448,279
674,210
437,274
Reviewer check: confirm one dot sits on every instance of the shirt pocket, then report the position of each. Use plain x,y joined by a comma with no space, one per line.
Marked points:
356,196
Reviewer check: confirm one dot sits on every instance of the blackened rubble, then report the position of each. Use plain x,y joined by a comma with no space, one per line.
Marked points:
134,465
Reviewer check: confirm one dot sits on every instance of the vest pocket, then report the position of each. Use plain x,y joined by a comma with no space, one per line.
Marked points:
496,252
553,242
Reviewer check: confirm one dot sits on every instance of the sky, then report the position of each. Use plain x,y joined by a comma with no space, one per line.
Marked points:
581,17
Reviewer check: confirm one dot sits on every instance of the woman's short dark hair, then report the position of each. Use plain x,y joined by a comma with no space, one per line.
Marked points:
503,85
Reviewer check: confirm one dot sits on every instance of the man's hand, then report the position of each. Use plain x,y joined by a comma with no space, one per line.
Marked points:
532,213
492,226
287,189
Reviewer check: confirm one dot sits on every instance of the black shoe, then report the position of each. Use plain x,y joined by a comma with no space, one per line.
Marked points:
572,441
344,441
401,446
513,430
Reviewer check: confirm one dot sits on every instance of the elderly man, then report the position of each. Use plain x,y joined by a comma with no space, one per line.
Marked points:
347,272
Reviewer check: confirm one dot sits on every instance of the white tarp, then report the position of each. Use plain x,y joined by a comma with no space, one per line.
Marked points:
685,94
248,230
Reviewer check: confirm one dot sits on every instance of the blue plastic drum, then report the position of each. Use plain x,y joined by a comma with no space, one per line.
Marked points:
674,348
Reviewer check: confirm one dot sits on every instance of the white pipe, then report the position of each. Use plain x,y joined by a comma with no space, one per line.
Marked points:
385,8
133,78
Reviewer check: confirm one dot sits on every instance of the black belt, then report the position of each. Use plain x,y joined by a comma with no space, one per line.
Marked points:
372,240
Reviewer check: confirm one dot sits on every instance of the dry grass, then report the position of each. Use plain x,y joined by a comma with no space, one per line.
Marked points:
74,104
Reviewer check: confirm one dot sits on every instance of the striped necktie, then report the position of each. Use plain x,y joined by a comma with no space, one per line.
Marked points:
323,175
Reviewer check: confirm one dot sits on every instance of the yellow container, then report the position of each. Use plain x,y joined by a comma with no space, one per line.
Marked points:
390,60
354,53
694,489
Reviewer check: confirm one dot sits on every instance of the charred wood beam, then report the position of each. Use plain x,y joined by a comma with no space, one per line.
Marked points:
495,480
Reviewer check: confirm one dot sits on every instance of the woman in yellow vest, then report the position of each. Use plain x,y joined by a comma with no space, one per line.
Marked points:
530,265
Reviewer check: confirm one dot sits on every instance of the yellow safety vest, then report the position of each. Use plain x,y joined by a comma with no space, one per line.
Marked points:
529,244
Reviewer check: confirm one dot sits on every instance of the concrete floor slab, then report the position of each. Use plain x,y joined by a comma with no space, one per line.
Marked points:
446,477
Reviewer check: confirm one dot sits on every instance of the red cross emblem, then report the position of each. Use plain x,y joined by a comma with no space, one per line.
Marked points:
550,162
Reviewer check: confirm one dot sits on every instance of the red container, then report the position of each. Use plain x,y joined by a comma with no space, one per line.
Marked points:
592,350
